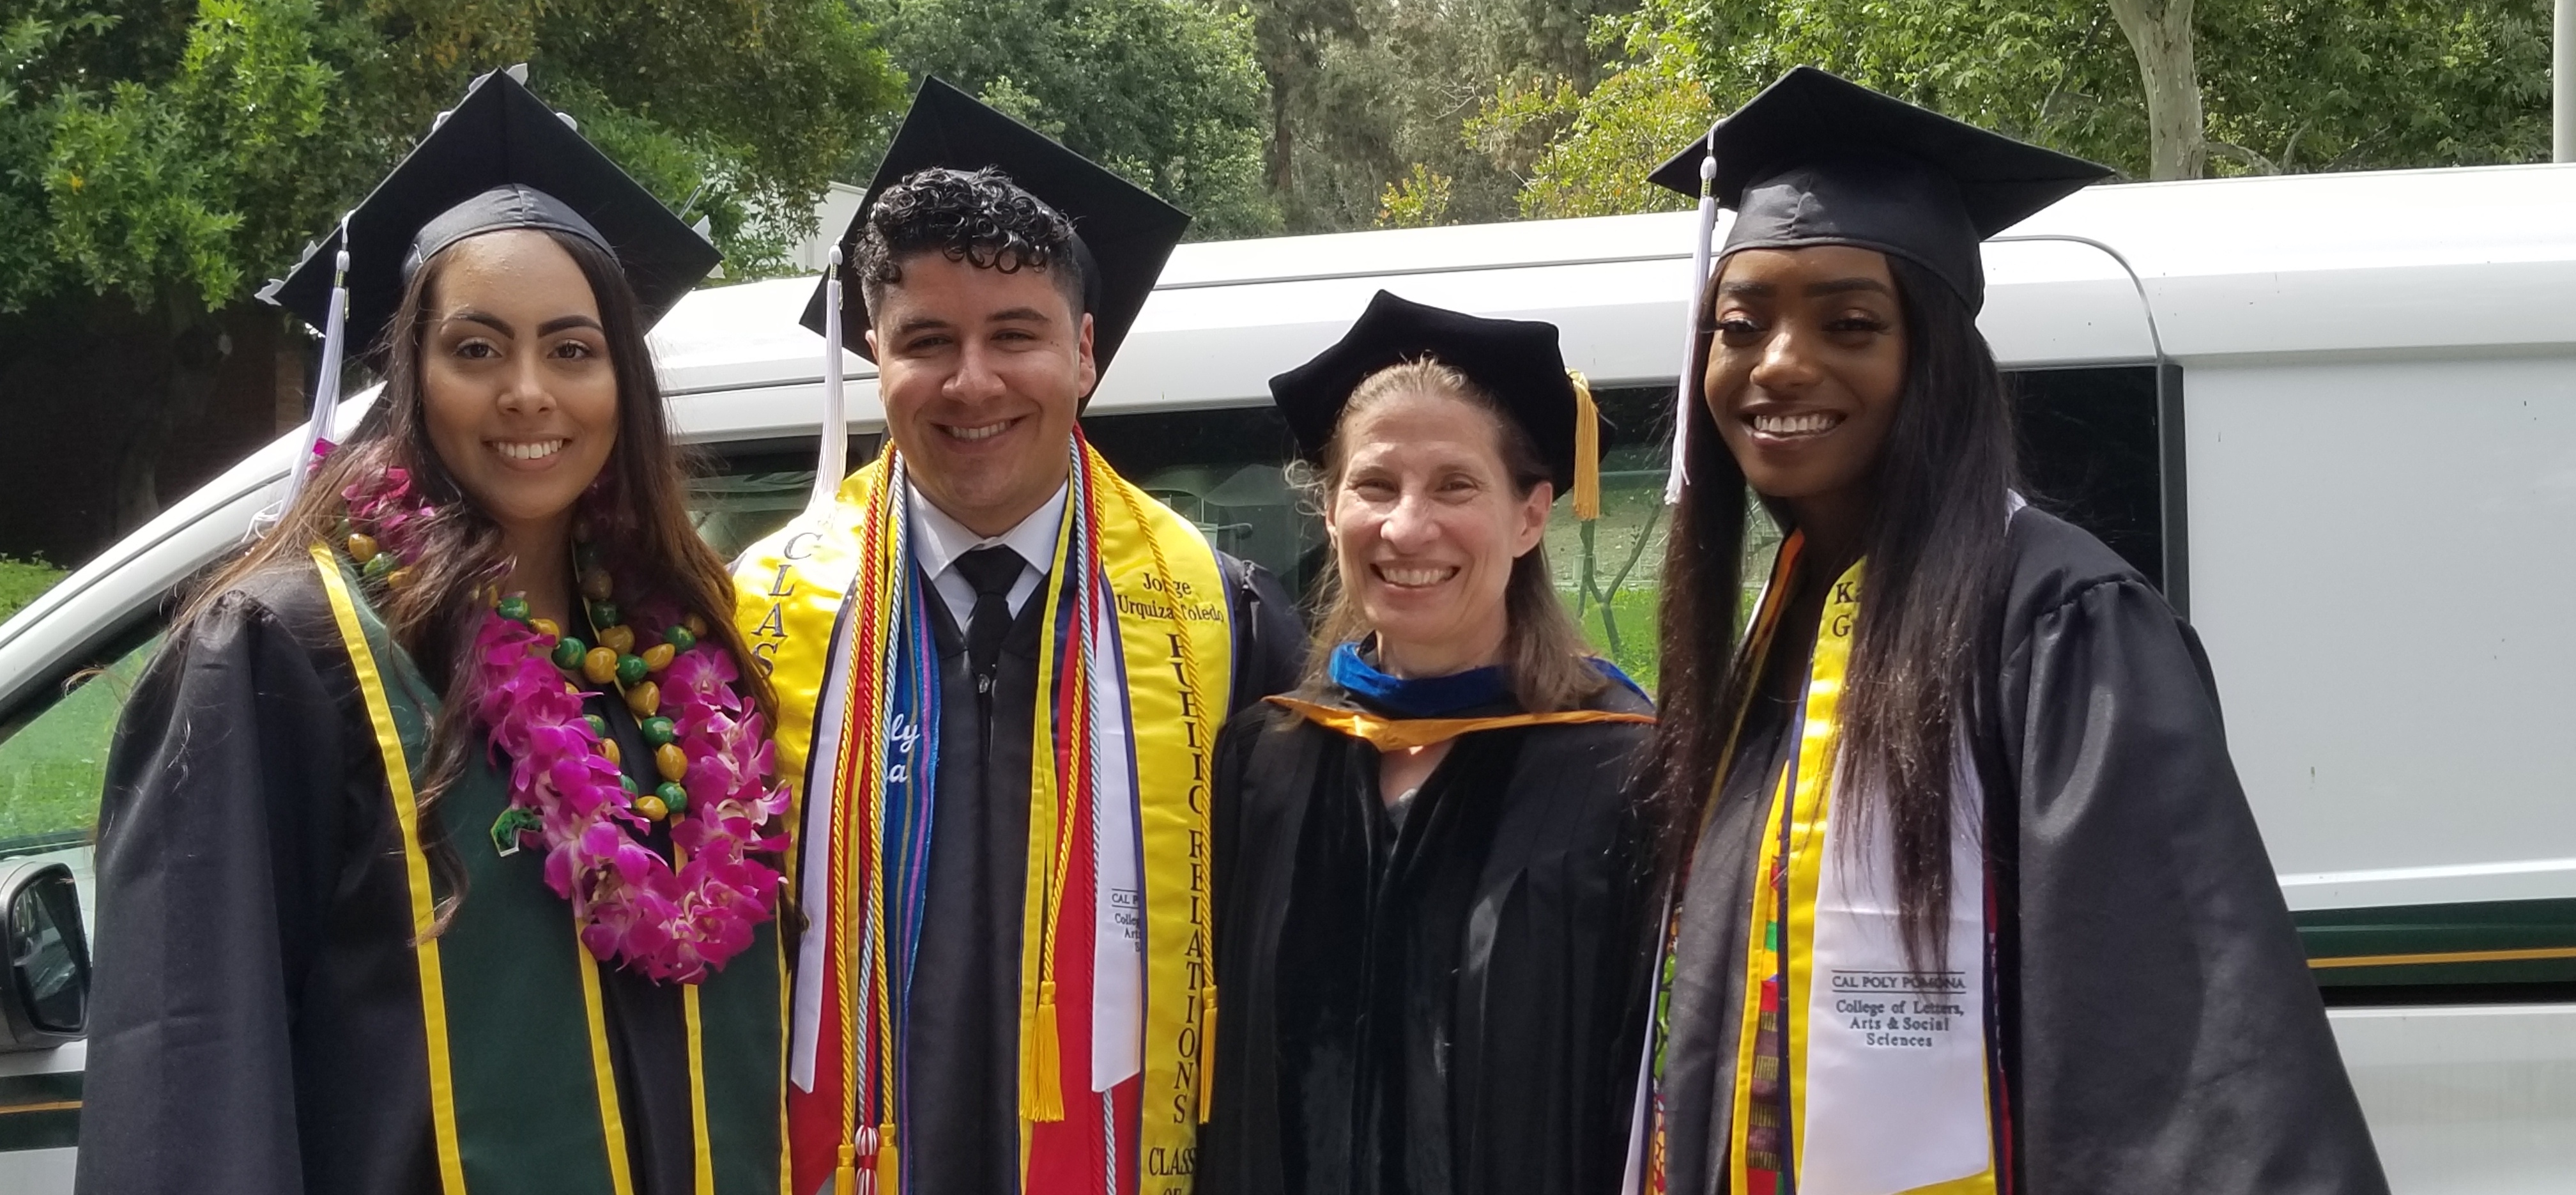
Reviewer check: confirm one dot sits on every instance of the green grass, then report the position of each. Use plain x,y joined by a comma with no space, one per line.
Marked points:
23,581
1626,636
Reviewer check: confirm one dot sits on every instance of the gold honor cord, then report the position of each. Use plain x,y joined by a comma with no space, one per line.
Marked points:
424,905
1051,792
1405,734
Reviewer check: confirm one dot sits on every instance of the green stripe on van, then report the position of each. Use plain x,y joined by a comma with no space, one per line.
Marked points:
2505,941
40,1111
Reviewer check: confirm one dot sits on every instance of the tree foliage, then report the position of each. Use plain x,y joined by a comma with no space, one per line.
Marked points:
175,153
1166,92
2286,85
1583,148
158,158
1363,91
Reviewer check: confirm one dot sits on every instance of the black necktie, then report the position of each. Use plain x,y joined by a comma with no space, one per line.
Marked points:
992,571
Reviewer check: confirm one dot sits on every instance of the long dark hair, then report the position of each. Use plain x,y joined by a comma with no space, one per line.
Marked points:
1543,649
638,510
1936,552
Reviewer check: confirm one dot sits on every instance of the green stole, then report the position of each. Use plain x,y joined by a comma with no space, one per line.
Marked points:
522,1095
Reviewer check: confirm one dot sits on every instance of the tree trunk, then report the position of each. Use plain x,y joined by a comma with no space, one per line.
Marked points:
193,349
1283,136
2160,32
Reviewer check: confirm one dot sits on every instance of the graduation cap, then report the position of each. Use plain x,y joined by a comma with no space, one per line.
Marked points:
501,159
1818,160
1122,234
1516,361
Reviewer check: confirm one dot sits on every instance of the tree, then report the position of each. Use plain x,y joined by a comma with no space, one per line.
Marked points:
1291,38
158,159
1365,92
2252,86
1589,145
2306,85
1166,92
2159,31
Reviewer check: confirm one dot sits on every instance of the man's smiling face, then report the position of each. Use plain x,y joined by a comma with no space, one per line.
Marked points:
982,372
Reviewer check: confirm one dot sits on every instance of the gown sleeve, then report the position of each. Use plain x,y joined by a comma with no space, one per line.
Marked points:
2170,1037
217,834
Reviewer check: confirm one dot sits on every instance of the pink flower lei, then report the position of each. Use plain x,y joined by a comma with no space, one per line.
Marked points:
635,908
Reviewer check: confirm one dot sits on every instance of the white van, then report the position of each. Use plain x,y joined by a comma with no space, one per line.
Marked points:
2334,416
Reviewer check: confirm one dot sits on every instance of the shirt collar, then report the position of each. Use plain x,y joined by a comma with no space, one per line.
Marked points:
939,540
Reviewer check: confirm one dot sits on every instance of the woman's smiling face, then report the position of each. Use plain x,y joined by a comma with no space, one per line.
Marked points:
1426,522
1805,367
517,389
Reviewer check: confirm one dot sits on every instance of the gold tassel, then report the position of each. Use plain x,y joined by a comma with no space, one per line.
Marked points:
1587,449
1207,1051
1046,1073
888,1181
845,1177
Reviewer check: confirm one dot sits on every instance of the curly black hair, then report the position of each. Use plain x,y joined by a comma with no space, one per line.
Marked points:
978,217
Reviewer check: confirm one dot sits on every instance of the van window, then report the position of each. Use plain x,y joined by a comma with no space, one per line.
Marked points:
2090,442
53,752
2091,453
741,492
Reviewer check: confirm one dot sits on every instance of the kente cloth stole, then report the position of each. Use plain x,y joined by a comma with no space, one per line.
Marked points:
1116,995
522,1093
1854,1074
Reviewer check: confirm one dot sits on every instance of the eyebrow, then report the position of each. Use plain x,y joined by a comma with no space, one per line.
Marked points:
926,323
1813,290
548,328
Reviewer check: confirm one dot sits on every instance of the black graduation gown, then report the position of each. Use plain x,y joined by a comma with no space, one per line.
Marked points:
256,1026
2159,1029
963,1042
1449,1000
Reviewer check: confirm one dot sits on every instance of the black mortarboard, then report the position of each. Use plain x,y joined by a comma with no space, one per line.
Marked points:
1816,160
501,159
1516,361
1123,233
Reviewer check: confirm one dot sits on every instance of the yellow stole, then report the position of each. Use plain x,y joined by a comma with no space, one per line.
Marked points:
1174,648
1882,1020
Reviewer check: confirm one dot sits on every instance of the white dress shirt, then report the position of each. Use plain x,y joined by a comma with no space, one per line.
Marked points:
938,540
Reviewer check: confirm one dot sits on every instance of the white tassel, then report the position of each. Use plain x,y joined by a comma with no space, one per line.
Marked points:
1683,387
835,454
326,382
